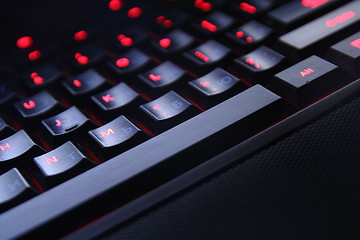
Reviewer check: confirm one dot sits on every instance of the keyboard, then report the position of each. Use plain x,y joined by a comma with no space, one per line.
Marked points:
96,115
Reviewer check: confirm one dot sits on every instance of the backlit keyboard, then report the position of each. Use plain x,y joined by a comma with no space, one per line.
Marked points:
153,90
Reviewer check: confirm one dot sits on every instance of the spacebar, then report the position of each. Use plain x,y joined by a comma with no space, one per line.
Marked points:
181,147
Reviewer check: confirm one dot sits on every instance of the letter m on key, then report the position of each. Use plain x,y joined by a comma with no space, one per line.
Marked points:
108,132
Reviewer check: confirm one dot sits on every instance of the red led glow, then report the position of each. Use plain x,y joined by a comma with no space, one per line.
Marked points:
239,34
253,63
122,62
107,98
165,42
77,83
34,55
108,132
124,40
202,56
249,39
24,42
306,72
313,3
205,83
154,77
202,5
340,19
134,12
5,147
247,8
58,123
38,80
157,107
29,105
209,26
164,21
81,59
81,35
115,5
51,160
214,89
356,43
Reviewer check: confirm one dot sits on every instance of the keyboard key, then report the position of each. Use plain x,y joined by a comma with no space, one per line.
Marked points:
129,62
258,63
16,150
250,34
214,87
5,129
14,189
252,8
37,107
129,37
297,12
161,79
346,54
116,137
214,23
84,83
118,99
328,28
205,55
86,56
166,112
41,76
308,80
174,42
70,124
61,164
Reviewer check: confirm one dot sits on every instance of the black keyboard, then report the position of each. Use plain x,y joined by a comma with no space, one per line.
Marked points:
97,115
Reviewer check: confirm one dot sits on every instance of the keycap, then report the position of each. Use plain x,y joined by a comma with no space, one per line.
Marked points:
42,75
214,87
84,83
16,150
166,112
296,13
61,164
69,124
207,54
86,56
161,79
14,189
258,63
250,34
130,62
251,8
329,28
308,80
174,42
37,107
216,22
118,99
115,137
346,54
5,129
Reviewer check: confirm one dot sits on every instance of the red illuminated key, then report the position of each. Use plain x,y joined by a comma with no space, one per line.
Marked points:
116,137
298,12
24,42
216,22
86,56
311,37
61,164
261,62
346,54
250,8
37,107
161,79
166,112
174,42
14,189
250,34
309,80
43,75
84,83
118,99
170,19
129,62
207,54
129,37
69,124
214,87
16,150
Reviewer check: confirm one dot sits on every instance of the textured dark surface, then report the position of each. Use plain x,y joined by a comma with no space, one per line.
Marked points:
305,186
